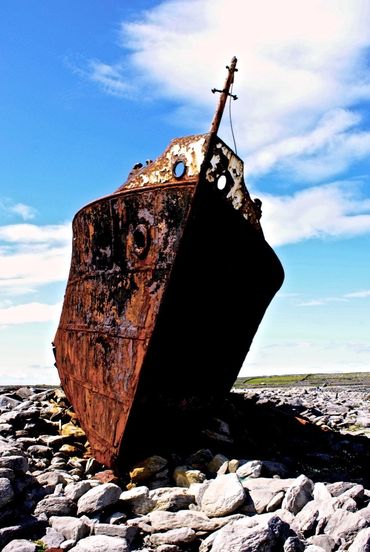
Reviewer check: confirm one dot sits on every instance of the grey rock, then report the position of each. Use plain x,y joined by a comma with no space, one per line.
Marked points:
240,536
49,480
55,506
124,531
253,468
52,539
67,544
293,544
324,541
215,464
343,525
20,545
339,487
298,494
98,498
183,535
166,548
71,528
361,542
137,500
6,491
16,463
163,521
171,498
8,402
101,543
264,491
275,502
40,451
74,491
314,548
223,496
116,518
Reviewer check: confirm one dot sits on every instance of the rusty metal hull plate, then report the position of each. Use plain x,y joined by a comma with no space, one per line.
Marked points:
170,278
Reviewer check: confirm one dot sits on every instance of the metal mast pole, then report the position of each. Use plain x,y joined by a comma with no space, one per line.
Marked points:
223,97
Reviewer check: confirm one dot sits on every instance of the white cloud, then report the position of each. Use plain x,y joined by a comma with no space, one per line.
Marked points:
29,313
321,211
32,256
302,73
358,294
26,212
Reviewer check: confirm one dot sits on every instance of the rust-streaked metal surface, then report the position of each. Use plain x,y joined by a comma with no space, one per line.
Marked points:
116,328
169,280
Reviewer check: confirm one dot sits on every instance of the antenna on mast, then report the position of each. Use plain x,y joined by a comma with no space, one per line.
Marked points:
225,93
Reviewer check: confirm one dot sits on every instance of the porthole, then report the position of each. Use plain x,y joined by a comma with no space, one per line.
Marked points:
221,182
179,169
141,240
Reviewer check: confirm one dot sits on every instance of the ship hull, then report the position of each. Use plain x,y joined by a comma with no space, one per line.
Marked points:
167,288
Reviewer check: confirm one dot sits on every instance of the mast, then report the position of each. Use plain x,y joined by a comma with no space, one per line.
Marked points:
223,97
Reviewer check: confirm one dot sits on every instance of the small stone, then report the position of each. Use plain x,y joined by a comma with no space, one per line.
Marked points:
15,463
252,468
298,494
293,544
183,535
6,491
147,469
55,506
40,451
184,476
71,528
49,480
171,498
223,496
216,463
106,476
20,545
101,543
361,542
98,498
53,538
324,541
72,430
122,531
233,465
137,500
74,491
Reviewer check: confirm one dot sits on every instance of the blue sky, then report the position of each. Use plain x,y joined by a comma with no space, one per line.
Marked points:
91,87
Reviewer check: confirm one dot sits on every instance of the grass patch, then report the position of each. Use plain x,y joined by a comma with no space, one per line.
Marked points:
356,379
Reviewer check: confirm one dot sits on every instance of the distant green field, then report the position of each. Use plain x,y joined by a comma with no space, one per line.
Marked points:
357,379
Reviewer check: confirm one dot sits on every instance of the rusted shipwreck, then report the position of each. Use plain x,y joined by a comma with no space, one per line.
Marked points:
170,277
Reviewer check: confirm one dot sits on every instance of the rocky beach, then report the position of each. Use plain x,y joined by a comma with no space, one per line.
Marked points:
266,470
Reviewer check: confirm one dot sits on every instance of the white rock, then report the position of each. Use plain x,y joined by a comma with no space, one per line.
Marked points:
74,491
71,527
361,542
164,521
344,525
223,496
137,499
101,543
240,536
171,498
183,535
98,498
20,545
298,494
252,468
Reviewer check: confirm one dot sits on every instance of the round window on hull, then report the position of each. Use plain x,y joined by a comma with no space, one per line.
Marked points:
179,169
